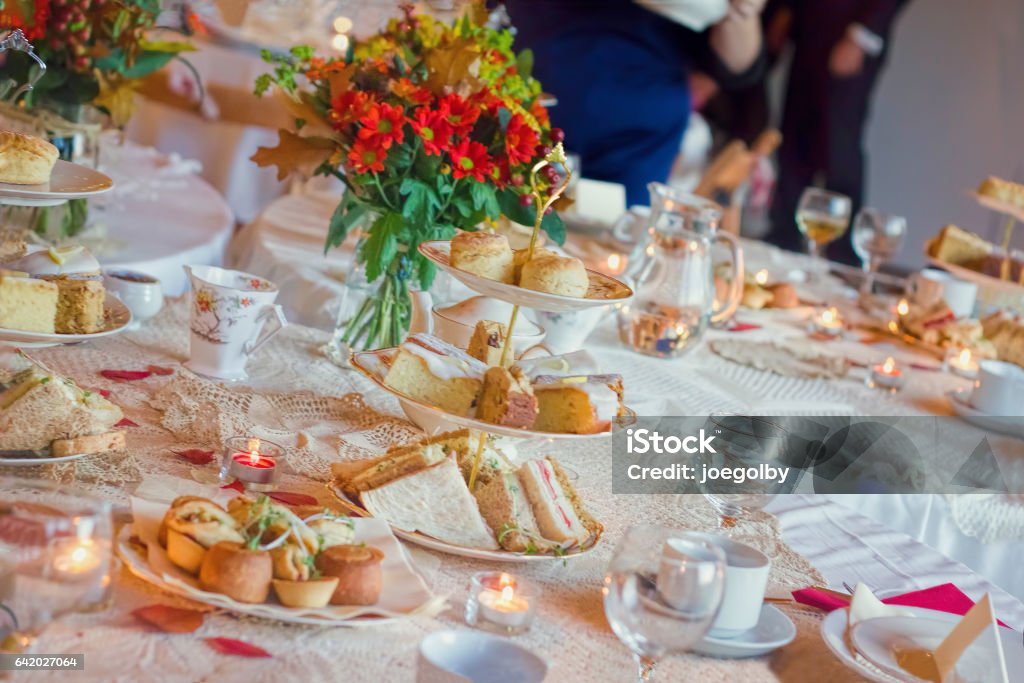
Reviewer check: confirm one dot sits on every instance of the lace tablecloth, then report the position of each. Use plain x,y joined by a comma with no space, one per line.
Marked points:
321,412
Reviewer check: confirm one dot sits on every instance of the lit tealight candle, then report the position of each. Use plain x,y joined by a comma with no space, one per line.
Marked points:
340,42
962,363
902,308
885,376
615,265
829,323
251,461
76,559
761,277
500,602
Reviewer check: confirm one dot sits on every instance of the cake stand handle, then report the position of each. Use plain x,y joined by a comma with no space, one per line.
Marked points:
15,40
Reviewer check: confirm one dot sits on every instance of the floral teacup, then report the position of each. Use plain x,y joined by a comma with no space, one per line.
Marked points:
229,309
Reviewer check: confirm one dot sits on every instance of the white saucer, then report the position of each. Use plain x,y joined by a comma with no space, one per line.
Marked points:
774,630
29,461
960,399
67,181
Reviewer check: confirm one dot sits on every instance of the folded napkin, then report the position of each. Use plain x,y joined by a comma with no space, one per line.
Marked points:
943,598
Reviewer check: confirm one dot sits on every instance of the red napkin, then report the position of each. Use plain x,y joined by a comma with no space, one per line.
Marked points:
944,598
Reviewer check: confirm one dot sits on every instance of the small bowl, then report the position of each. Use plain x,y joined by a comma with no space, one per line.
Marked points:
473,657
141,293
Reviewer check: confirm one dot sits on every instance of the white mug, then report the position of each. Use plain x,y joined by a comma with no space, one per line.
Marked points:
932,285
999,389
229,309
746,580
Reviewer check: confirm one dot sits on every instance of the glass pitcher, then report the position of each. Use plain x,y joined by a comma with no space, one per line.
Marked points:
675,293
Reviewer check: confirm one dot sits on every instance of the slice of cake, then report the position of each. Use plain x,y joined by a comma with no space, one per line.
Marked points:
581,404
435,372
507,399
487,342
79,304
556,506
27,303
957,246
1003,190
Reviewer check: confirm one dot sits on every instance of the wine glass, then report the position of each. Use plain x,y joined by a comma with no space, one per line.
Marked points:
55,557
877,237
747,442
662,592
822,217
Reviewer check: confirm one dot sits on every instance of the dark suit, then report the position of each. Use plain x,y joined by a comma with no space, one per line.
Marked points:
825,115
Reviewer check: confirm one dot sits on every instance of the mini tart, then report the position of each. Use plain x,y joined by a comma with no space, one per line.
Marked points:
237,572
184,552
313,593
357,568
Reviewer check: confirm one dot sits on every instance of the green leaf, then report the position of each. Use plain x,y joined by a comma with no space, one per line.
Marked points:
146,62
484,199
554,227
504,116
524,63
525,215
381,244
347,215
421,202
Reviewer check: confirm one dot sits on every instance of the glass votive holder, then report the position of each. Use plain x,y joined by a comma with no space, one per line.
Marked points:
827,323
501,603
961,362
255,463
663,336
885,376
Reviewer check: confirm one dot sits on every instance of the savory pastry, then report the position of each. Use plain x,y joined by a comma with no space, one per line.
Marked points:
332,530
487,342
507,399
483,253
312,594
27,303
161,534
437,373
274,520
554,274
234,570
784,295
195,526
25,159
357,569
582,404
756,297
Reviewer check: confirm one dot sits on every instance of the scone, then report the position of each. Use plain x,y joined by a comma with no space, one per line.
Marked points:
483,253
25,159
563,275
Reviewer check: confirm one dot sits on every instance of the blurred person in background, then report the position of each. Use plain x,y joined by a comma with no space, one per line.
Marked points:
839,49
619,69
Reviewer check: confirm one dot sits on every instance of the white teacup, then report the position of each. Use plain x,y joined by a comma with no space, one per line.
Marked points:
229,309
565,332
141,293
746,579
932,285
999,389
474,657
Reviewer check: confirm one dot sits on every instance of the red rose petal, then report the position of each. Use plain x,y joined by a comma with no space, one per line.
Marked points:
105,393
230,646
235,485
743,327
159,370
170,619
290,498
125,375
125,422
196,456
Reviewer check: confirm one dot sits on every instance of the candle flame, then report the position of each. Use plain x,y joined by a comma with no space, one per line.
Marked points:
965,357
253,446
340,42
903,307
507,593
614,262
894,326
506,582
761,277
889,365
829,315
342,24
79,555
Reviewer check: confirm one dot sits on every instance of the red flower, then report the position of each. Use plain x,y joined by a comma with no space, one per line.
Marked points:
459,114
539,112
520,140
410,92
347,107
500,174
470,158
383,125
433,129
366,158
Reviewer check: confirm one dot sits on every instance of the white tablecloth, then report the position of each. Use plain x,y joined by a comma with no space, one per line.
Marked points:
285,244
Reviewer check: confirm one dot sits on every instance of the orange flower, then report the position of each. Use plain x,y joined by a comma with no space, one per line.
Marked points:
469,158
319,68
540,112
520,140
410,92
433,129
383,125
347,107
366,158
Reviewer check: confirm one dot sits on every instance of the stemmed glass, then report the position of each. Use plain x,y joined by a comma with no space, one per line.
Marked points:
822,217
743,441
877,237
662,592
55,557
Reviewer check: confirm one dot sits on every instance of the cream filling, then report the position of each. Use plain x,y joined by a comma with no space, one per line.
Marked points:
440,366
554,499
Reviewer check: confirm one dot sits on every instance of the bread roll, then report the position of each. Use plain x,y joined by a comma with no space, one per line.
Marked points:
161,534
784,295
25,159
555,274
483,253
237,572
358,570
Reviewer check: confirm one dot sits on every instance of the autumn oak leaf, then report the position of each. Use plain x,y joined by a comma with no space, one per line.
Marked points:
294,153
196,456
452,67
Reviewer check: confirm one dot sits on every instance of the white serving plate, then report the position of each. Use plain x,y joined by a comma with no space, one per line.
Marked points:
998,205
29,461
604,289
403,593
774,630
960,400
68,181
432,543
980,279
374,364
117,318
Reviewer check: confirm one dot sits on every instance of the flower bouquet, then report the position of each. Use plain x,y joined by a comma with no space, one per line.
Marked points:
432,128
